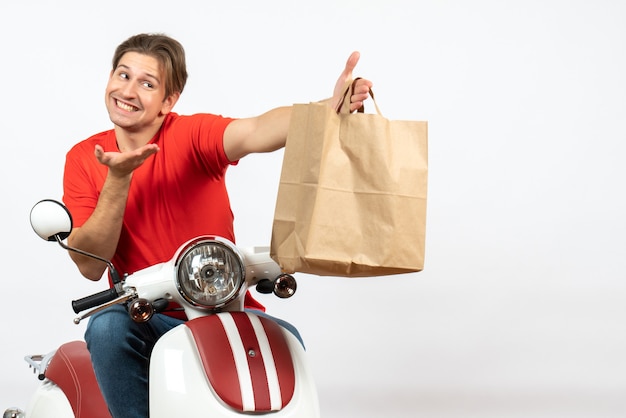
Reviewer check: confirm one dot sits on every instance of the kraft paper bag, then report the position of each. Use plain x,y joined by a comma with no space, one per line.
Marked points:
352,195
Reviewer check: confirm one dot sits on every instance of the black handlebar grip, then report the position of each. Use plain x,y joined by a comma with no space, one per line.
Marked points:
94,300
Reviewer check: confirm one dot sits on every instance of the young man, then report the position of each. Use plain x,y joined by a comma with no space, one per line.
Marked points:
156,180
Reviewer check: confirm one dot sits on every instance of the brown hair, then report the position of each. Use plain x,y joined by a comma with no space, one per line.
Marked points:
168,51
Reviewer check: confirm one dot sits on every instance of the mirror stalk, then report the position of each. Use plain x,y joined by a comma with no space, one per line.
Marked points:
115,277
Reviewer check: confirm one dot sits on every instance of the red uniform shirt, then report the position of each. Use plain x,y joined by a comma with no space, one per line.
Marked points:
175,195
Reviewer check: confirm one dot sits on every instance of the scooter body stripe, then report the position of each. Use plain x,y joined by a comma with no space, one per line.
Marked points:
218,358
256,361
282,358
241,361
270,367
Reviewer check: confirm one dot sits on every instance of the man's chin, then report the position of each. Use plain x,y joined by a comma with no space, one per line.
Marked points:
123,122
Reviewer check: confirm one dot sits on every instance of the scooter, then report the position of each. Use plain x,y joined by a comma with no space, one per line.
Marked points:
222,362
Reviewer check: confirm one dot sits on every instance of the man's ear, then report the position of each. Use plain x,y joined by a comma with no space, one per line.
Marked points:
169,103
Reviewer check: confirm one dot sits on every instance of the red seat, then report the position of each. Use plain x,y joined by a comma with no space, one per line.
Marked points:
71,370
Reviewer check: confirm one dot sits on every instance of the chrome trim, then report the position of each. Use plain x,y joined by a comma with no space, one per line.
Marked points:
214,240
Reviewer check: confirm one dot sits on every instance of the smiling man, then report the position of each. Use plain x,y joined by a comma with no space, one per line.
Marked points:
124,188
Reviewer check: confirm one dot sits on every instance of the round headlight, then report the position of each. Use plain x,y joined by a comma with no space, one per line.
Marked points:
210,272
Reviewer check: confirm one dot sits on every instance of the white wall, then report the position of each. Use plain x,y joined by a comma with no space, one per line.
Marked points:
520,311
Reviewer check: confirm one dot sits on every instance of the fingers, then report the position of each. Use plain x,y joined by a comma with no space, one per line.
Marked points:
99,152
360,93
353,60
362,85
125,162
148,150
361,88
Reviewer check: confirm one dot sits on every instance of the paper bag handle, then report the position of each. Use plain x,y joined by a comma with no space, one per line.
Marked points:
344,105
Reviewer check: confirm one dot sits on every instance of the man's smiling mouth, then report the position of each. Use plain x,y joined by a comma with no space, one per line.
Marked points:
126,107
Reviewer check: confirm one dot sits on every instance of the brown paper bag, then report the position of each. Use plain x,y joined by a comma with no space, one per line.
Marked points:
352,195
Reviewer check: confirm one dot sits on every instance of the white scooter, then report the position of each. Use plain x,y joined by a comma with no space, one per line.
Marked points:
222,362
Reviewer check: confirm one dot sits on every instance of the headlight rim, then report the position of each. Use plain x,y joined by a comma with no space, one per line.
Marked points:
212,240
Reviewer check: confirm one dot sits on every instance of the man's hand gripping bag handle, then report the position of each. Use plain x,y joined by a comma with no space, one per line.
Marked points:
344,105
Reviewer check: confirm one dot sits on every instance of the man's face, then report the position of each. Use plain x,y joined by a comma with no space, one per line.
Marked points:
135,93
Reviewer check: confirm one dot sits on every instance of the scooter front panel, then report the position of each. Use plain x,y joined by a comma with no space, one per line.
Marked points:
246,359
179,385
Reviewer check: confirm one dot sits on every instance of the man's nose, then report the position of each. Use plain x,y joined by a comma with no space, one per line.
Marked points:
129,90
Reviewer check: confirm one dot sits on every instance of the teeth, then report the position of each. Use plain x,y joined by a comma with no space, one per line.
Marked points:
126,107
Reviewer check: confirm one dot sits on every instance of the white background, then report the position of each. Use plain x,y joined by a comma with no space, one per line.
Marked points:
520,311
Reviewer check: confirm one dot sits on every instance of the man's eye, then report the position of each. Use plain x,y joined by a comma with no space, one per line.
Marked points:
148,84
124,75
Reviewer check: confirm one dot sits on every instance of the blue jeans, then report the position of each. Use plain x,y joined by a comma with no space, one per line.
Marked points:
120,352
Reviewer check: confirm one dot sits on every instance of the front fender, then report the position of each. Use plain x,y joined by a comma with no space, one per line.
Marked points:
230,364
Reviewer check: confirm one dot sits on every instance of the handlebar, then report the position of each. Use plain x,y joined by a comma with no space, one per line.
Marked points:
94,300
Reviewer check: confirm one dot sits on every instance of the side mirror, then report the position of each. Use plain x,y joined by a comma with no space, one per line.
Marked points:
51,219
